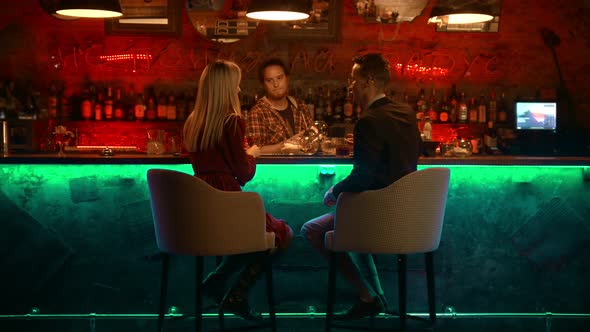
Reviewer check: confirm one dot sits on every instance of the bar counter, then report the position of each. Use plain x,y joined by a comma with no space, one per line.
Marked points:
77,235
142,158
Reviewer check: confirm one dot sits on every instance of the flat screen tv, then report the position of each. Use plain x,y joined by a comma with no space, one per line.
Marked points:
535,115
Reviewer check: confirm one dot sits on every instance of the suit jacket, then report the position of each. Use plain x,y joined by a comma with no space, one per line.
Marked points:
386,147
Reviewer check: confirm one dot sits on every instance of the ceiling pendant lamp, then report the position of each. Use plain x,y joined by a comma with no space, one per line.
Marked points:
278,10
90,8
464,12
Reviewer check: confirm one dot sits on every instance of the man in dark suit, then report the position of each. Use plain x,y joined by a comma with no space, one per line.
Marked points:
386,147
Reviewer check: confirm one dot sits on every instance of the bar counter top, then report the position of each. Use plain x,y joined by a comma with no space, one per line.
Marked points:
139,158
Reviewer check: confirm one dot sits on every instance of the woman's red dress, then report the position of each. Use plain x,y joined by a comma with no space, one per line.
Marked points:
228,167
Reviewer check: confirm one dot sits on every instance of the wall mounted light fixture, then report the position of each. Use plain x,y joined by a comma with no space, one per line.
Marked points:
464,12
278,10
90,8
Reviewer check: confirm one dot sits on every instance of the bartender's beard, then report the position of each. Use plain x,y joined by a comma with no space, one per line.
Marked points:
277,95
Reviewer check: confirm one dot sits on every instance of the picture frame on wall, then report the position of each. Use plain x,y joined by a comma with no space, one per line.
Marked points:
222,21
156,17
323,24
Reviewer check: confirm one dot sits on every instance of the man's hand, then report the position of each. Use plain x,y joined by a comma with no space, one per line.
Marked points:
296,136
254,151
329,198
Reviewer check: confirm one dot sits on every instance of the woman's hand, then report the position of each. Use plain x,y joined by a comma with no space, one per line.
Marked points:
254,151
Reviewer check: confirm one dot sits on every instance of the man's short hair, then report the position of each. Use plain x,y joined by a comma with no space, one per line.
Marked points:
375,66
271,62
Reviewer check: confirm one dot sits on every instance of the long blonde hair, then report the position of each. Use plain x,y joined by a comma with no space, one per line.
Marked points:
217,100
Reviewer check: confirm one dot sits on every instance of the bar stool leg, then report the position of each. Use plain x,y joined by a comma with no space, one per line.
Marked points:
220,313
163,290
429,258
270,291
198,293
401,275
331,289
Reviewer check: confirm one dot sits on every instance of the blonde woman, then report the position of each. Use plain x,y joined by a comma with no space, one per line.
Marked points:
214,138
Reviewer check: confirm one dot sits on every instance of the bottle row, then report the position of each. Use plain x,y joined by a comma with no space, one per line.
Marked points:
336,105
458,108
92,103
332,104
116,104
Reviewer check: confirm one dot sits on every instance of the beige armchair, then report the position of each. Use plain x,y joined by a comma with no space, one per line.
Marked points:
404,218
193,218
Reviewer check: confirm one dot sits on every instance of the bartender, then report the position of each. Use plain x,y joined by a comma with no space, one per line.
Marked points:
276,117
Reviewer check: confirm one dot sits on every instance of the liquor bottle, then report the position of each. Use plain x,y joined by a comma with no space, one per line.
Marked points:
87,105
371,9
502,109
180,107
472,111
492,107
453,103
420,105
13,104
171,108
320,107
108,104
427,129
52,100
30,108
3,101
443,115
462,115
118,106
99,107
482,110
348,108
490,139
150,108
245,105
130,101
64,102
310,103
433,106
329,114
162,107
139,108
361,8
338,107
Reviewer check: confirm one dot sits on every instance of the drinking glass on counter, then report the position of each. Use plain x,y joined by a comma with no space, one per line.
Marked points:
155,141
175,145
62,137
343,148
328,146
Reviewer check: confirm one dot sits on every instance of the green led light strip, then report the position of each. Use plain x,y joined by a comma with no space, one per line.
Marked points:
295,315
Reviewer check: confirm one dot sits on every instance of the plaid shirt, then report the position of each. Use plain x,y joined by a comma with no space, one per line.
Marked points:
268,127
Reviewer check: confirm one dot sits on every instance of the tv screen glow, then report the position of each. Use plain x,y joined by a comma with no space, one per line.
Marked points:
536,115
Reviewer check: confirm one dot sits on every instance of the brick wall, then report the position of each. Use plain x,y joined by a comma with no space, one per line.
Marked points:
41,48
